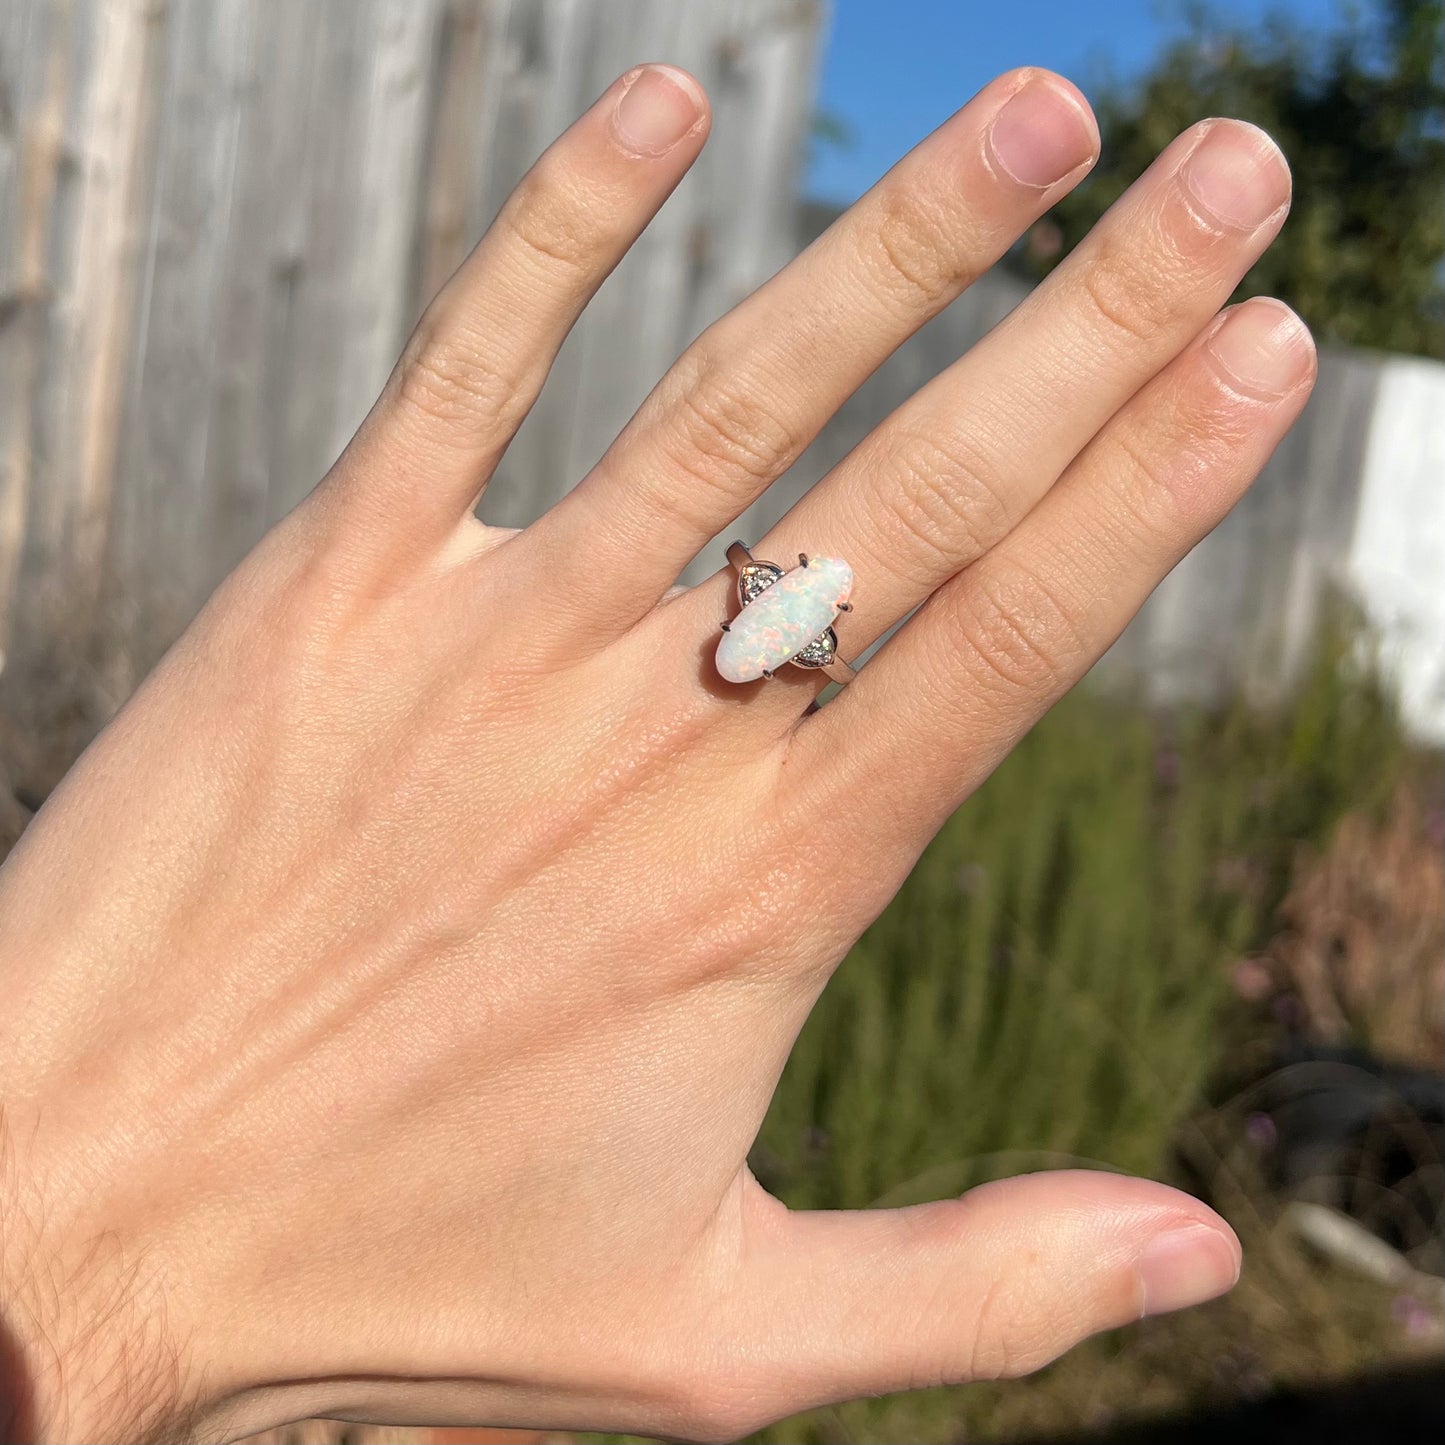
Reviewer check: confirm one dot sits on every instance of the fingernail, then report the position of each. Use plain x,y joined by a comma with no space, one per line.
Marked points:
656,110
1263,346
1236,175
1041,135
1186,1267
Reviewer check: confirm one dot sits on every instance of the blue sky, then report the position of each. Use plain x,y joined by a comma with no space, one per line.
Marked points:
894,69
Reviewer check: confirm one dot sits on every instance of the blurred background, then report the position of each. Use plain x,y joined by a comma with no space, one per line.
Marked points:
1193,928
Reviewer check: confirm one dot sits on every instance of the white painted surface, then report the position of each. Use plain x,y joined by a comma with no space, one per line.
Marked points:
1396,560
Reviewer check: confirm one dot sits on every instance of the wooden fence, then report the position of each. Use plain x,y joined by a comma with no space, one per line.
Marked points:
222,216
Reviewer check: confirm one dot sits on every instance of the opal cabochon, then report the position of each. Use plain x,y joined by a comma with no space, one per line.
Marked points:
784,618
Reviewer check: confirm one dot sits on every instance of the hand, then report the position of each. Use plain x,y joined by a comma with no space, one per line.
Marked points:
395,988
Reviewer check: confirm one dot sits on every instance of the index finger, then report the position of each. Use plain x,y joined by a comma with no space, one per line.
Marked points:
478,357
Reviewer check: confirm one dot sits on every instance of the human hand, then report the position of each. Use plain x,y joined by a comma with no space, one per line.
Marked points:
396,986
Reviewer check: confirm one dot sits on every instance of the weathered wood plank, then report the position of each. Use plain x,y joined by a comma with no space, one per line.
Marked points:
222,216
173,353
35,84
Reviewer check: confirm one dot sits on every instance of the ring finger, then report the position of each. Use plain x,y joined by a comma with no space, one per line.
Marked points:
960,464
994,647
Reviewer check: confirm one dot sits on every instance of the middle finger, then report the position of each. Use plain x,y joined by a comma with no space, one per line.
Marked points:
752,391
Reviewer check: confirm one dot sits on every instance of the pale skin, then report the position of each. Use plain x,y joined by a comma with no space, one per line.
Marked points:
394,990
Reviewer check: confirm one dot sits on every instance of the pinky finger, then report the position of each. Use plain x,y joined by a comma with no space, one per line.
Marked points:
995,647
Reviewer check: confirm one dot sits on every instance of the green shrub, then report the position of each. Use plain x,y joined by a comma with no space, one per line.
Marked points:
1050,985
1047,985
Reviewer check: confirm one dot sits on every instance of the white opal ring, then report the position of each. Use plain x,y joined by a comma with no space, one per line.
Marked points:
785,617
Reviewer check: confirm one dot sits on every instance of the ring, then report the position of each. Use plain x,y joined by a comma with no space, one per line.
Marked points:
785,617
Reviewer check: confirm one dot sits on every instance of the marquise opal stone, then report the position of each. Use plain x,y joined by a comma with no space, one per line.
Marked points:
784,618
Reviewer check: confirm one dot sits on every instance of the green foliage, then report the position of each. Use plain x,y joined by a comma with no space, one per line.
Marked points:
1360,113
1044,988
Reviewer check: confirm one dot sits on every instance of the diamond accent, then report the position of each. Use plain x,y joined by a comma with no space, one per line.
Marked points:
756,577
819,652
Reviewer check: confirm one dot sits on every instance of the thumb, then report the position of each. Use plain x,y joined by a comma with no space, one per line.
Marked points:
996,1283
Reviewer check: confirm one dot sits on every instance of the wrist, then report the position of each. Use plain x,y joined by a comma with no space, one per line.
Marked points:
82,1353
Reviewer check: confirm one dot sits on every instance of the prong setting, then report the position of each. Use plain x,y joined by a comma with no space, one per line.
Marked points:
758,636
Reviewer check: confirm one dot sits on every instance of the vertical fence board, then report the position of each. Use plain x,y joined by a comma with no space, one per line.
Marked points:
35,84
222,217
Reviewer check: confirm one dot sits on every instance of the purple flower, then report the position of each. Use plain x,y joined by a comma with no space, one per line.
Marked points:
1260,1130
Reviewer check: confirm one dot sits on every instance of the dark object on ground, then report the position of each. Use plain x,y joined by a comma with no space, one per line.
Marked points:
1380,1408
1367,1138
1340,1127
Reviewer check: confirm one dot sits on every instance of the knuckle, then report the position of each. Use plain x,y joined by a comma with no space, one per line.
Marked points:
1011,630
1146,281
941,503
989,1354
1148,482
914,254
1005,1352
1013,1332
550,224
1169,459
447,380
724,433
1135,297
1120,302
